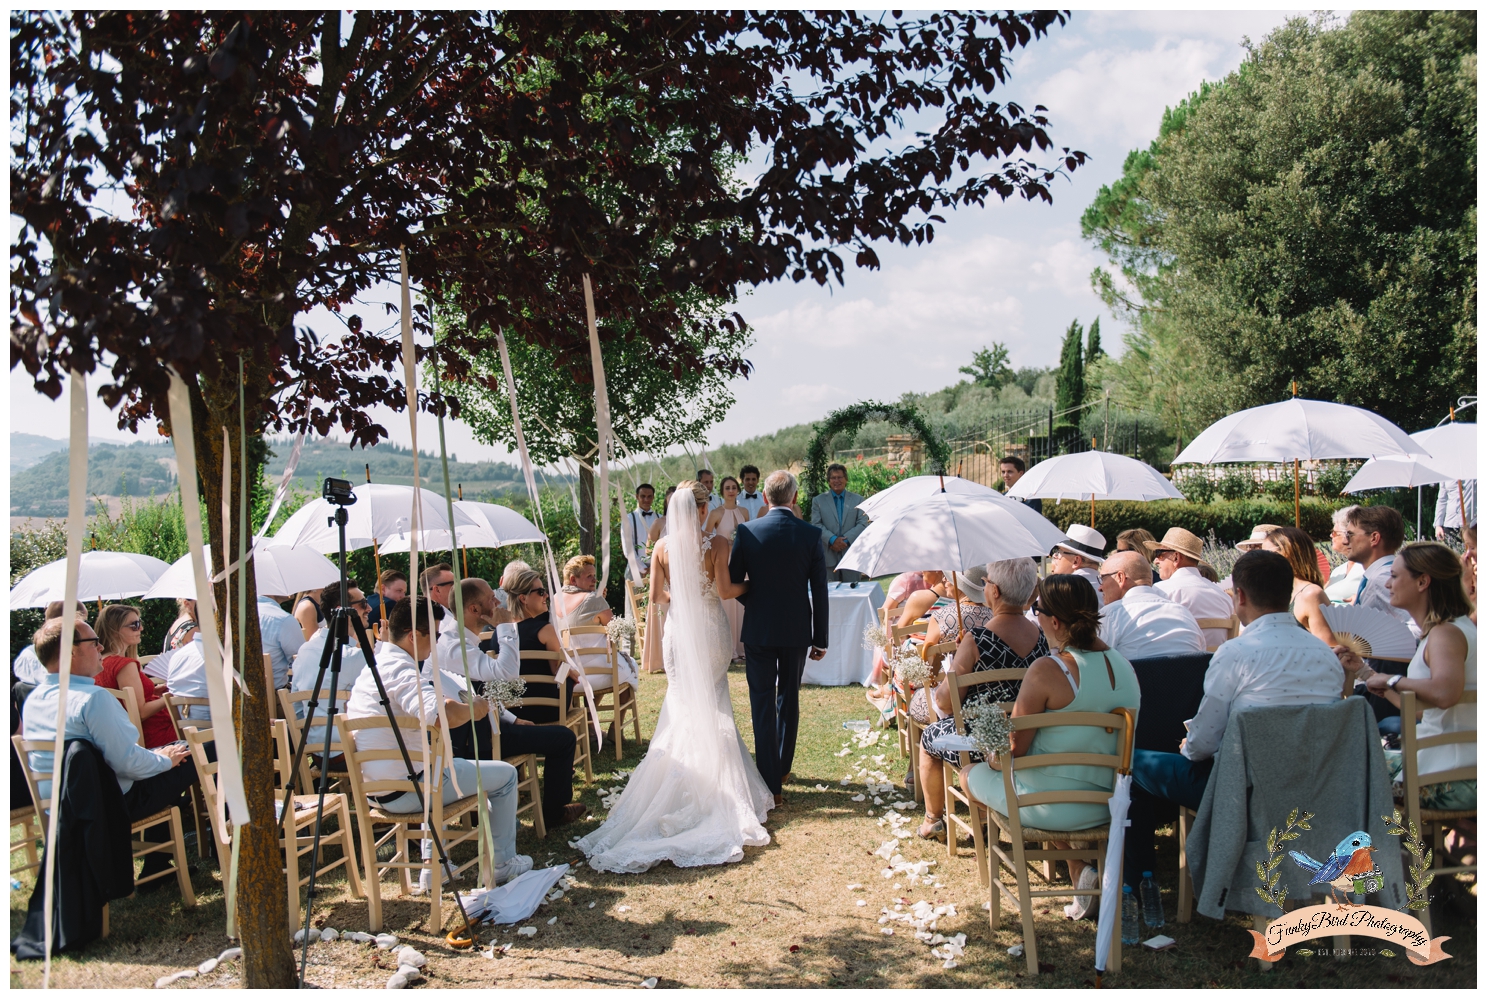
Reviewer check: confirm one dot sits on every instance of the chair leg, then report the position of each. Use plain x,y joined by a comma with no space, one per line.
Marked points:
634,710
1025,907
405,855
617,722
348,852
980,844
436,888
370,878
183,873
539,821
291,872
949,817
1184,876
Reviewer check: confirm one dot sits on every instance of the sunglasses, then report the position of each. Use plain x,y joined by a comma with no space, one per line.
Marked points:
1162,553
1042,611
362,603
535,593
84,641
1110,575
134,625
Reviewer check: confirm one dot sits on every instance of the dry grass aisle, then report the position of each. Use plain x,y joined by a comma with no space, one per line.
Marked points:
786,916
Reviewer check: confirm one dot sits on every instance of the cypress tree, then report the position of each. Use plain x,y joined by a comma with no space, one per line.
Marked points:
1071,370
1093,351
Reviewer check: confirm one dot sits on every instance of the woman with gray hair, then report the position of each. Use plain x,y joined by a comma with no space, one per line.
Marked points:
1008,640
1343,580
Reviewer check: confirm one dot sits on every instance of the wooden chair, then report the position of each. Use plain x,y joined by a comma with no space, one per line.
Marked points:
619,699
178,707
975,822
30,833
299,832
636,612
908,729
526,782
175,845
1020,859
576,720
309,769
131,706
1229,624
445,818
1432,822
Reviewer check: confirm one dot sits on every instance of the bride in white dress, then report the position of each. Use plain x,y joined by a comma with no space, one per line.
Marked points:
696,799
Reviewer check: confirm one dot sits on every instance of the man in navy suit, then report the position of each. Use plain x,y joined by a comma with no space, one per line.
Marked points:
781,555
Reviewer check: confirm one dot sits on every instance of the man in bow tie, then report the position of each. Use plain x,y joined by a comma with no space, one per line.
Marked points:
640,523
750,499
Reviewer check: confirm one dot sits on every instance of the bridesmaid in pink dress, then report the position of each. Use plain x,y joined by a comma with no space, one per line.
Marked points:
724,521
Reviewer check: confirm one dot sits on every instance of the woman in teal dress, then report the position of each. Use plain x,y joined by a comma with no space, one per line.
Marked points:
1087,675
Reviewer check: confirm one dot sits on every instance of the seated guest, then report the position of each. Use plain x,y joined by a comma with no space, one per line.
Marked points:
392,586
459,647
119,630
437,583
902,586
152,779
413,696
1137,621
1307,596
1372,535
917,605
1133,539
965,592
1275,662
309,612
1086,675
27,668
1177,558
183,627
1007,640
1426,580
282,636
353,659
535,633
1343,580
187,676
581,605
1080,556
513,569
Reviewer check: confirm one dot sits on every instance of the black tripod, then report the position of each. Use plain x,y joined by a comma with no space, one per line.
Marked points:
338,492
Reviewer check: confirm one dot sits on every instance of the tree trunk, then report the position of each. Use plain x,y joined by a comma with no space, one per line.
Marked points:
262,905
586,515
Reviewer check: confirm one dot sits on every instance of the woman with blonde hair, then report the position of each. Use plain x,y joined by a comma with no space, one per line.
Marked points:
1135,539
1307,593
580,605
119,631
725,520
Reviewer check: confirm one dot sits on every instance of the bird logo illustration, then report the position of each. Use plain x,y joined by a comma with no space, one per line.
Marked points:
1351,867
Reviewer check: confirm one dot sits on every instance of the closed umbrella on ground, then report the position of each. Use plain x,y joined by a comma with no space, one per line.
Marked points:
1092,475
101,576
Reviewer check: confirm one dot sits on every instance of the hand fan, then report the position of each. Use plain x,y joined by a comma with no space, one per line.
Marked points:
1370,633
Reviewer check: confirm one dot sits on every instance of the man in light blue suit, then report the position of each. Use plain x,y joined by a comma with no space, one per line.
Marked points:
835,512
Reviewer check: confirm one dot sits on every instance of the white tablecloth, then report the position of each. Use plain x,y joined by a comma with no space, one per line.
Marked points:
852,612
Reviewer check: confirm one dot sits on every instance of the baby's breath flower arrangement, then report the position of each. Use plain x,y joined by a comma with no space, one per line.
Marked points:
505,693
910,670
873,637
988,727
621,633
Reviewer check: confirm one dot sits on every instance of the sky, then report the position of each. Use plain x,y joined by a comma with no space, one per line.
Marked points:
1014,272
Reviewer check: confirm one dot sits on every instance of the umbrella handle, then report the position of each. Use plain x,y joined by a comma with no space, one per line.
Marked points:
1129,740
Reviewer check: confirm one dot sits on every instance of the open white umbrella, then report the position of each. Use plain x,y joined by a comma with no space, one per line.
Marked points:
1092,475
1397,471
440,540
951,531
917,487
380,512
1298,430
1452,447
278,571
101,576
505,524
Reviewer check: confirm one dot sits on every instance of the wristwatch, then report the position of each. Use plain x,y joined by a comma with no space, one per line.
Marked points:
1393,681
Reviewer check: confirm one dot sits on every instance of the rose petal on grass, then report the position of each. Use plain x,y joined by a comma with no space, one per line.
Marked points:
649,983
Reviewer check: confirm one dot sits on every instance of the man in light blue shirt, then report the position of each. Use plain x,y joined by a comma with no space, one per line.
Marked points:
353,660
187,676
152,780
282,637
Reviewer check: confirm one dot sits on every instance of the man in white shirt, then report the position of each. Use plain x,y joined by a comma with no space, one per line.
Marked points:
1137,621
1176,557
751,499
1373,535
187,676
705,476
282,636
353,659
412,696
1081,556
1274,663
1453,499
641,520
556,744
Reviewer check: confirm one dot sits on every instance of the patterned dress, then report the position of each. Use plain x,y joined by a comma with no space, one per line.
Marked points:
994,654
975,616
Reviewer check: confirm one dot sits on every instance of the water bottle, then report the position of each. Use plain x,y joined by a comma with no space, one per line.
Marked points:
1130,917
1151,901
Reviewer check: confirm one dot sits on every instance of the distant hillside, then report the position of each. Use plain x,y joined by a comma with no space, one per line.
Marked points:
138,469
389,463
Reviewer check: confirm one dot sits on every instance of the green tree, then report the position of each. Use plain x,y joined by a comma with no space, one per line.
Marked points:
989,366
1312,216
1071,370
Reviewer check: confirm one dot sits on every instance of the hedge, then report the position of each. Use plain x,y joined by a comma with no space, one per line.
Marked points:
1232,521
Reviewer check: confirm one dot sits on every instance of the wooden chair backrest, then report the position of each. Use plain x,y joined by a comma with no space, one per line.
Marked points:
177,706
1229,624
585,655
131,705
1411,744
24,748
415,737
557,699
960,683
206,776
143,660
933,654
1121,721
290,699
902,631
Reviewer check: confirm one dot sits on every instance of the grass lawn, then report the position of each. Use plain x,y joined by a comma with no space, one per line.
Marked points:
782,917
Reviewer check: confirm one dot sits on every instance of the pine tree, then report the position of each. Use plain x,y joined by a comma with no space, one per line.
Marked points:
1071,370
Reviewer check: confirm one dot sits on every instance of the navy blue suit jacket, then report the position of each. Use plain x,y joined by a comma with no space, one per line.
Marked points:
781,554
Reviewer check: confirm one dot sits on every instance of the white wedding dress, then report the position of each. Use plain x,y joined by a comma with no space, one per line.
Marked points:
696,799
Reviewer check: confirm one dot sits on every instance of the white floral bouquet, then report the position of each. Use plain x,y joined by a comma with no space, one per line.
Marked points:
505,693
988,727
873,637
910,670
621,633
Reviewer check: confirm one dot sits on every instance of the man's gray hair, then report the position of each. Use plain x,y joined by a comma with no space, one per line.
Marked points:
1341,517
1015,577
780,488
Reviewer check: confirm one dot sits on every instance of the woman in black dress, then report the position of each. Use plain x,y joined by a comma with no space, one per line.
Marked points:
536,634
1009,641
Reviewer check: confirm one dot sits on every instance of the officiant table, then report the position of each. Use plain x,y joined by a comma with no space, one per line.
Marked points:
853,611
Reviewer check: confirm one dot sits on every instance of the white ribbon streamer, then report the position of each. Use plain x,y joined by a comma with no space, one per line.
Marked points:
280,493
606,433
230,767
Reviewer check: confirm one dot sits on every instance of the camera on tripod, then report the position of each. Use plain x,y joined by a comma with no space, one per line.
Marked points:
338,491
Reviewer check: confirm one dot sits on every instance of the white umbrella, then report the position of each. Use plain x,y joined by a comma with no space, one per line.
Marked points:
1092,475
1298,430
440,540
951,531
1395,472
101,576
278,570
1110,880
1452,447
380,512
917,487
508,526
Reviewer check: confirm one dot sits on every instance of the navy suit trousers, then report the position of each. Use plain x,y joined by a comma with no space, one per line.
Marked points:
774,674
